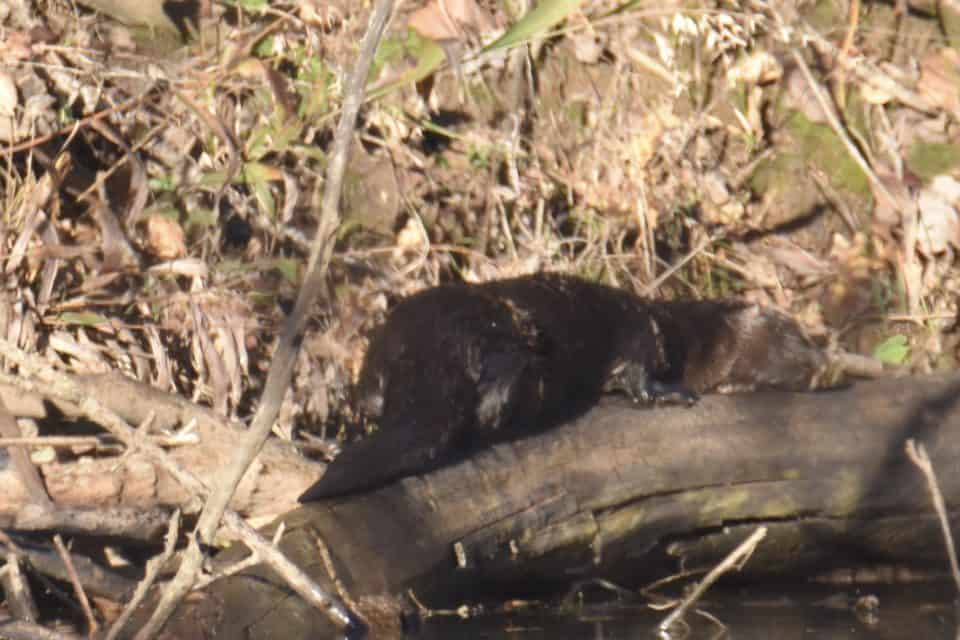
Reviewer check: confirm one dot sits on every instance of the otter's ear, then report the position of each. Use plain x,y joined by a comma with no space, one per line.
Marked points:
497,390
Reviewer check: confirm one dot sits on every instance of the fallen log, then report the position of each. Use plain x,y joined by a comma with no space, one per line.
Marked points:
97,483
626,492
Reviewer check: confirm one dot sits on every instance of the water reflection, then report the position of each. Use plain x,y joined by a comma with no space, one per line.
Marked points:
900,612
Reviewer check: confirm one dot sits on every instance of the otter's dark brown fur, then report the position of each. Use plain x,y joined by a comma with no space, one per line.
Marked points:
458,367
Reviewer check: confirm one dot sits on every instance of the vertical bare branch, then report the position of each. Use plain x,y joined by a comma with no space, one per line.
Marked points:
281,368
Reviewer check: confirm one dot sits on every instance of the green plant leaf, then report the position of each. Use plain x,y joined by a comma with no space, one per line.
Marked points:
893,350
200,218
257,6
265,48
429,57
313,86
259,143
289,269
258,176
85,318
162,183
212,179
537,22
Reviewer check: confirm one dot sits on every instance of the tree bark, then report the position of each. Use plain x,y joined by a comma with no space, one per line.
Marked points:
632,492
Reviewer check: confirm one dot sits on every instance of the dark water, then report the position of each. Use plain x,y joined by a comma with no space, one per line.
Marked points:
908,612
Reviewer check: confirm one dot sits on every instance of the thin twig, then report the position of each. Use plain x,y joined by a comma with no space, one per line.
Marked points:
853,21
72,128
92,625
235,160
16,589
23,629
24,467
909,268
735,558
36,376
235,568
281,367
869,73
8,542
62,387
327,560
666,275
96,442
838,128
918,456
154,565
47,584
665,602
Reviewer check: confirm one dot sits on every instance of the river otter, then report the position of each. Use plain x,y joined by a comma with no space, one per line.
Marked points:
458,367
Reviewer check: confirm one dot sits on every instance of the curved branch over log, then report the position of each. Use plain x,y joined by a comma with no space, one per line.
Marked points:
625,490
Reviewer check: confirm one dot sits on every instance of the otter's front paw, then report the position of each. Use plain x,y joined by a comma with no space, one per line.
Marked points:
632,379
671,393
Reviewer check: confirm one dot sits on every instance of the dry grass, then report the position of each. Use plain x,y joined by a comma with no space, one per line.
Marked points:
157,197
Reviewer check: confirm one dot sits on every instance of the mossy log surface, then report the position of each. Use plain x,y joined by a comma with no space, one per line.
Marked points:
623,491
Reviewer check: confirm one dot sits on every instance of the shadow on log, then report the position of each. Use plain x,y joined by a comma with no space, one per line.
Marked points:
628,492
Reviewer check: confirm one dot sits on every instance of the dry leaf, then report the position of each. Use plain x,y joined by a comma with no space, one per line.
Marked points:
940,79
118,255
947,188
786,253
15,48
450,20
889,213
165,238
875,93
715,187
587,48
121,39
411,238
9,99
939,226
757,68
320,14
187,267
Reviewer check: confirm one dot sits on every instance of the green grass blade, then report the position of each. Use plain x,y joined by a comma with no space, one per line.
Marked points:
429,60
537,22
